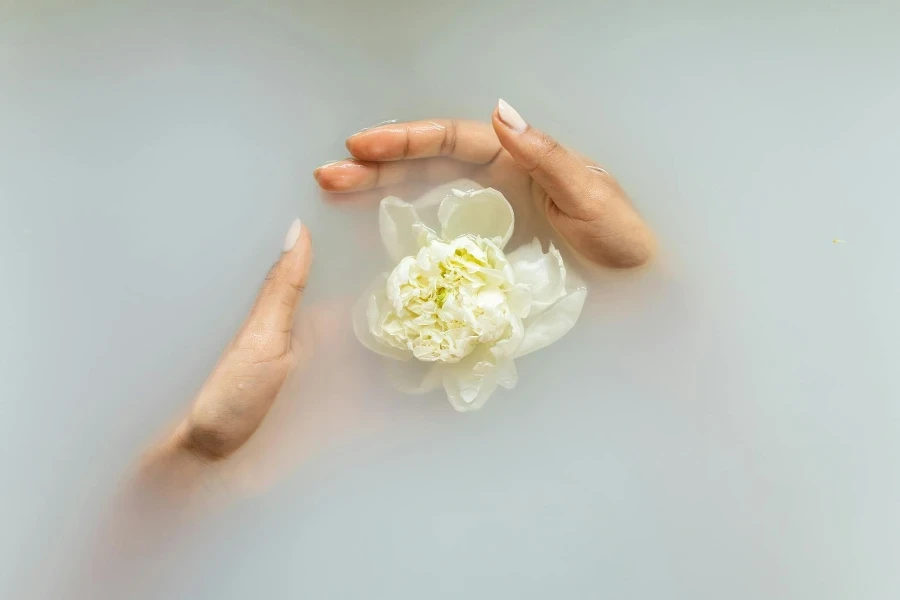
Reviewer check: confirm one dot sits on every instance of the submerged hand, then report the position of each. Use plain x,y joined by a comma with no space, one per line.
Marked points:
244,384
241,389
582,202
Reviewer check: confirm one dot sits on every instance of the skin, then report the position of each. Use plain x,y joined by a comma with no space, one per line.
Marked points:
242,387
547,184
543,179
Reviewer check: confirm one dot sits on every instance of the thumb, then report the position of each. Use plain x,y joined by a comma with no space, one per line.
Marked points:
560,172
273,313
601,225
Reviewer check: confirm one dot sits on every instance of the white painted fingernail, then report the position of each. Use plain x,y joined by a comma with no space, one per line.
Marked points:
293,234
511,117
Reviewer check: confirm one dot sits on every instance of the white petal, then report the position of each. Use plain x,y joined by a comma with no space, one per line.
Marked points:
552,324
533,251
423,235
485,213
519,299
396,280
415,377
507,376
544,274
471,382
397,221
428,202
467,393
361,327
508,347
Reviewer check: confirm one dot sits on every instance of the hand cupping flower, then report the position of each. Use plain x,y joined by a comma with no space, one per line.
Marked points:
457,309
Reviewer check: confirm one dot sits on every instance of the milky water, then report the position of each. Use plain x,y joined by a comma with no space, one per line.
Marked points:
722,425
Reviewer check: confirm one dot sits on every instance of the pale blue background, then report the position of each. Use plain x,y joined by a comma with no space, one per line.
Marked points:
729,428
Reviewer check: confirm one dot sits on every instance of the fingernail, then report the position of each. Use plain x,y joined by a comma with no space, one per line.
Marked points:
511,117
598,169
388,122
293,235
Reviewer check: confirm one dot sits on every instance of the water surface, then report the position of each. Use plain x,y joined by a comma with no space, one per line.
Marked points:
723,425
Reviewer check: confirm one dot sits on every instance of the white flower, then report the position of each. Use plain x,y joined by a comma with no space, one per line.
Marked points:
456,310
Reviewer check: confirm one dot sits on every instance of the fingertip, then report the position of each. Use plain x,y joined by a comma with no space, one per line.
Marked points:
514,143
297,244
497,123
352,142
511,136
304,243
317,175
321,177
375,144
283,288
293,234
510,117
296,261
340,176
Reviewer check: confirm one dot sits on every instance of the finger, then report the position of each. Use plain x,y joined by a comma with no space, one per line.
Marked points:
603,225
246,381
356,175
272,316
561,173
468,141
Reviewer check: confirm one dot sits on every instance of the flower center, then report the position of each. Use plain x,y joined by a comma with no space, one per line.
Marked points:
449,298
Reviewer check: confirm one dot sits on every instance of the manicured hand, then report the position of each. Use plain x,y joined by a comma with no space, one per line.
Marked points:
540,177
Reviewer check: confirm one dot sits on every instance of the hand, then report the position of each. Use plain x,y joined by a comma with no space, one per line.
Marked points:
581,201
243,385
245,382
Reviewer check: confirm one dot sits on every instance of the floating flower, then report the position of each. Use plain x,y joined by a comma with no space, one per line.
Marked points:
456,311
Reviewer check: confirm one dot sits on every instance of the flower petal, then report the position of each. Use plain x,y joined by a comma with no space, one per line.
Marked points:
397,221
361,322
423,234
531,252
415,377
428,202
507,376
519,299
553,323
485,213
466,391
506,348
544,274
471,382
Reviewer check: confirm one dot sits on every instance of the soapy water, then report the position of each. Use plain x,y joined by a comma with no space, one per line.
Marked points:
722,424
